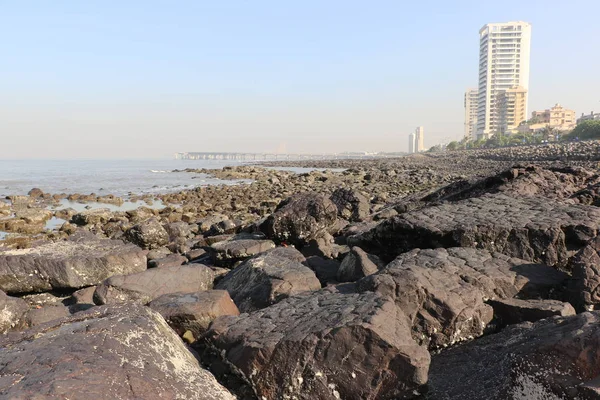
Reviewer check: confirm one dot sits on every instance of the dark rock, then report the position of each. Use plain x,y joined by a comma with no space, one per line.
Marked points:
535,229
12,311
178,230
324,345
514,311
195,254
300,218
357,264
443,291
41,315
83,296
146,286
325,270
205,224
194,311
77,262
549,359
112,352
36,193
92,217
351,204
268,278
172,260
149,234
585,267
228,252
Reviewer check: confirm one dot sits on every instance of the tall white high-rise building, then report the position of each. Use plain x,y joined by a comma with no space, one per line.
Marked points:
411,143
504,53
419,137
471,99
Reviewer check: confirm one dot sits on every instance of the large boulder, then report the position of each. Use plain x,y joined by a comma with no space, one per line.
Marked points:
82,260
585,282
194,311
535,229
514,311
111,352
300,218
351,204
12,312
268,278
148,234
324,345
92,217
443,291
34,215
556,358
146,286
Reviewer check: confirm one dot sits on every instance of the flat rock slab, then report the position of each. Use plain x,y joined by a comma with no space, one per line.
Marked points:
443,291
514,311
71,264
194,311
324,345
535,229
111,352
553,359
229,252
146,286
268,278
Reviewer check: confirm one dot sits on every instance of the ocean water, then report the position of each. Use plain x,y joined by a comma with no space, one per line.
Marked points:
103,177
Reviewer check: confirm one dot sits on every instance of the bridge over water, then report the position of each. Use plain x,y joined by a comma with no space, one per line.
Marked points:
276,156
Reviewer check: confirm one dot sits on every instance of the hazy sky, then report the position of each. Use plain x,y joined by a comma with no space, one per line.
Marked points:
143,79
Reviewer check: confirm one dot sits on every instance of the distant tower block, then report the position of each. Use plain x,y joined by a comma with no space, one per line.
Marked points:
419,139
411,143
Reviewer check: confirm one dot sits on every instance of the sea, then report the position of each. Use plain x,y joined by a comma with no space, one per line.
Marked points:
118,177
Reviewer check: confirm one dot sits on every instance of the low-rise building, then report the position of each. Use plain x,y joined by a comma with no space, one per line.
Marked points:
556,117
590,117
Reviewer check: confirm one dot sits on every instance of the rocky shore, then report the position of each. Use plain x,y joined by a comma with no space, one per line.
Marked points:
458,275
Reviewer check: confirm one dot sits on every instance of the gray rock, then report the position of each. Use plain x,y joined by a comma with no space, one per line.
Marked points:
535,229
172,260
194,311
555,358
268,278
111,352
83,296
41,315
205,224
178,230
228,252
77,262
149,234
583,286
146,286
357,264
443,291
514,311
351,204
324,345
92,217
12,311
300,218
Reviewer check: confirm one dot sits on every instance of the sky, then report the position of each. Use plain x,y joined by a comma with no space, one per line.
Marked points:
145,79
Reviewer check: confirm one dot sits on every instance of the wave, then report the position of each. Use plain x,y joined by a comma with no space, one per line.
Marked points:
158,171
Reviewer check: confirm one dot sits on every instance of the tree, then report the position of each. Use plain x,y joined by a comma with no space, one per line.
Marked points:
435,149
586,130
454,145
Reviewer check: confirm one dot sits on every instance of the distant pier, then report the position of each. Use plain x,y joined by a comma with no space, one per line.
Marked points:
277,156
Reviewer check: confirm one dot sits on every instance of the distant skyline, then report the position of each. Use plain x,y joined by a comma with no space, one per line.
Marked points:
146,79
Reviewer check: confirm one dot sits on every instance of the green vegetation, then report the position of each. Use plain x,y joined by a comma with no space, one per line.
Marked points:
585,130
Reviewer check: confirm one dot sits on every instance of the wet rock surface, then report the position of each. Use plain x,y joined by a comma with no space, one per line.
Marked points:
98,354
324,346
